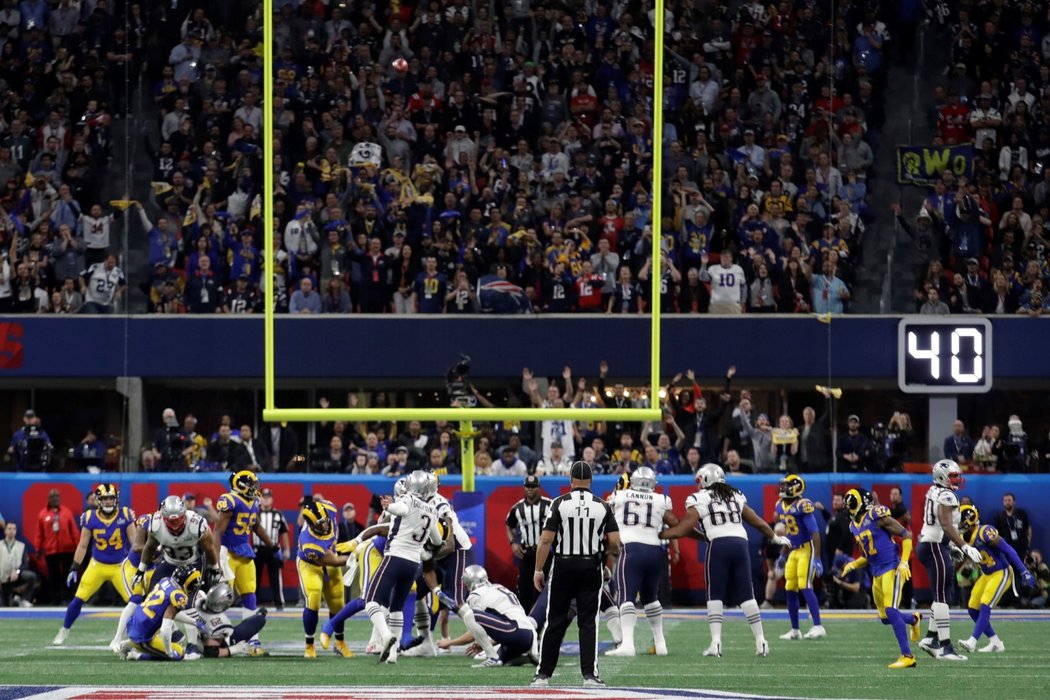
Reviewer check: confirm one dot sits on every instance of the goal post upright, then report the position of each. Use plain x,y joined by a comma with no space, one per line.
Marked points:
273,413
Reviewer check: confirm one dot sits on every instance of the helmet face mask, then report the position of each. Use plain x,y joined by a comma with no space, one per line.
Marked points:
475,576
246,483
173,512
969,518
317,520
792,486
107,498
400,487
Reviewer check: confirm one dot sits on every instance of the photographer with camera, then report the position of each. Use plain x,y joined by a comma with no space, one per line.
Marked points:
170,444
30,449
1037,597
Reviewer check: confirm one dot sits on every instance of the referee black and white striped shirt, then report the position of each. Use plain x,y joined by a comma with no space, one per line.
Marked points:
528,519
580,521
274,524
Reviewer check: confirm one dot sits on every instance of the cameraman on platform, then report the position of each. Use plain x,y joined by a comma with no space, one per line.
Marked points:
170,443
31,447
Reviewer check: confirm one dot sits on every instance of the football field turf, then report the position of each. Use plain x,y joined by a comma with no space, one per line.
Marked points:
849,663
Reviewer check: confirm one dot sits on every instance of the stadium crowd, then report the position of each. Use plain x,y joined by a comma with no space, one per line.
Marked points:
985,238
441,157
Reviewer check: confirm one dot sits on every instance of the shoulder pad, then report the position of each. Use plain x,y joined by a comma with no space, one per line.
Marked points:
742,498
988,533
947,497
806,506
692,501
129,513
84,518
225,503
179,598
878,512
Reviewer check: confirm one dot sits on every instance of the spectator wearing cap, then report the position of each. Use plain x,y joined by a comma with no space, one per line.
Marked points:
854,448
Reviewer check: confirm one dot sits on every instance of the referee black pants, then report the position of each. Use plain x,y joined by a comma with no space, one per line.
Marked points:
266,558
579,579
527,593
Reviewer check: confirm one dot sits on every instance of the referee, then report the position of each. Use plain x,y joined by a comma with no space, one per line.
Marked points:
271,558
524,524
582,531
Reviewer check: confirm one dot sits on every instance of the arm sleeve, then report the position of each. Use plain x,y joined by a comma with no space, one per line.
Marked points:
810,522
1011,554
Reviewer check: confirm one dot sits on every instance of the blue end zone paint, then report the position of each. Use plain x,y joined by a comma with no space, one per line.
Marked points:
14,692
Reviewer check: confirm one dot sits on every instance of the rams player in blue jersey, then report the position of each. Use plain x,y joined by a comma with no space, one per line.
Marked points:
107,530
319,573
801,561
874,529
153,623
137,538
998,561
238,519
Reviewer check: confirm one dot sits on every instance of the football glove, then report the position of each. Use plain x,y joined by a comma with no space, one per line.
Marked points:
849,567
971,553
175,655
445,599
71,580
905,571
781,563
278,555
818,568
348,547
213,575
136,581
956,554
1028,579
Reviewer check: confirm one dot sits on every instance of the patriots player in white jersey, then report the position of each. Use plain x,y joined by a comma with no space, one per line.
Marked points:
413,526
940,517
209,628
179,536
452,568
721,512
641,514
493,613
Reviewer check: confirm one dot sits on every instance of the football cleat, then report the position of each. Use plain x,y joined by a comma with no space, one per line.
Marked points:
659,649
192,653
791,634
241,648
342,649
969,644
916,627
256,649
904,662
424,648
815,632
761,648
948,653
60,638
622,650
994,646
714,650
488,663
310,652
372,649
540,681
327,630
931,646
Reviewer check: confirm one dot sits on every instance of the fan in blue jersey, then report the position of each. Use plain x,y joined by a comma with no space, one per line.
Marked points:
998,561
874,529
800,561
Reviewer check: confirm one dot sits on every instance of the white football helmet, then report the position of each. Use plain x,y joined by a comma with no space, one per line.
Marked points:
947,474
418,482
173,512
643,479
400,487
709,475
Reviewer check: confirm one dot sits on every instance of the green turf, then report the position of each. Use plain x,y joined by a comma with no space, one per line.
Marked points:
849,663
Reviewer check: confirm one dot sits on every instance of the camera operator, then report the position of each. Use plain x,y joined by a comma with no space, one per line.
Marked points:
1037,597
851,591
170,444
31,447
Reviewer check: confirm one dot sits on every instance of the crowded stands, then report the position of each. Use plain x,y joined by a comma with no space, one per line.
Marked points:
441,158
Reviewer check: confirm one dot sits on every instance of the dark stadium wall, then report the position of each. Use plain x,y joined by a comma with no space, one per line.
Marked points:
23,495
774,347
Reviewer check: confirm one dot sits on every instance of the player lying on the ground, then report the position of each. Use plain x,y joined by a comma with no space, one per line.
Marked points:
874,529
209,630
152,626
997,576
493,614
